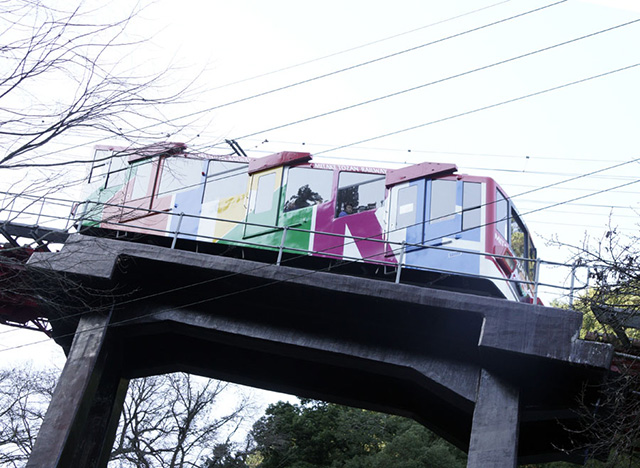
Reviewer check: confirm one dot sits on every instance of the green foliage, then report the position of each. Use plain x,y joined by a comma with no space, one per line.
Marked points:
315,434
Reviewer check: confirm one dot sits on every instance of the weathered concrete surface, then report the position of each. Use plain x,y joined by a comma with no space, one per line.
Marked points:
80,424
402,349
494,434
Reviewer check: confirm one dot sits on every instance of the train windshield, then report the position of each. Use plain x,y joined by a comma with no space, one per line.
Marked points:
521,244
307,187
179,174
225,179
358,192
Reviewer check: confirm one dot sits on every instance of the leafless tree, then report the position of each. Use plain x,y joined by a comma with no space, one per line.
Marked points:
63,71
24,396
173,420
68,79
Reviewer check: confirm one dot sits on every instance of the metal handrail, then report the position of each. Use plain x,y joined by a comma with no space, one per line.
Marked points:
85,217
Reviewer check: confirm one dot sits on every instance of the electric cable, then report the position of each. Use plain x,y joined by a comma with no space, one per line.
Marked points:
527,157
483,108
438,81
361,46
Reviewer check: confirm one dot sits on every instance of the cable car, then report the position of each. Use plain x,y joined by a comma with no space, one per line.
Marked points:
443,229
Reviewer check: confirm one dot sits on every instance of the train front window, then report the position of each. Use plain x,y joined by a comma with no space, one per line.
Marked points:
501,214
471,201
532,255
307,187
179,174
519,239
225,179
443,200
358,192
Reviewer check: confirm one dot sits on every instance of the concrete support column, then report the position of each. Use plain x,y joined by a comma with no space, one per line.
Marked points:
494,431
80,424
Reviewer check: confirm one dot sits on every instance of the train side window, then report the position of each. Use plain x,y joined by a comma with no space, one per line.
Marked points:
406,207
117,172
307,187
100,167
225,179
518,236
142,172
501,214
179,174
358,192
471,201
443,200
263,200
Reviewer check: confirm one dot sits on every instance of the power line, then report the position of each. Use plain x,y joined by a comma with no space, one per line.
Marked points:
378,59
583,196
525,157
479,109
361,46
441,80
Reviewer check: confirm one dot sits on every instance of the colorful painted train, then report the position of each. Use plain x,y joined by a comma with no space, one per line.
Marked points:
444,229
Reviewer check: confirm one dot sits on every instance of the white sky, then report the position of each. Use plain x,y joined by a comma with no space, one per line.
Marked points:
524,145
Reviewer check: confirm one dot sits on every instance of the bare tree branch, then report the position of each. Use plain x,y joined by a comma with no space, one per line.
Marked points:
46,46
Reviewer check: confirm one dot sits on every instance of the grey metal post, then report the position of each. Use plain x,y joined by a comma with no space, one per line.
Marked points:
573,281
494,430
282,241
400,262
537,281
175,234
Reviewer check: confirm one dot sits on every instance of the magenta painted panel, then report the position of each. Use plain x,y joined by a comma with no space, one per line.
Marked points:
363,224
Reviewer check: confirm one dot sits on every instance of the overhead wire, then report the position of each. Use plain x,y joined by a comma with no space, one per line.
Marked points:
440,80
361,46
375,60
480,109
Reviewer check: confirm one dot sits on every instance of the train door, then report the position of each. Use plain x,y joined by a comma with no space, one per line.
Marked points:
444,202
406,215
264,202
307,195
358,216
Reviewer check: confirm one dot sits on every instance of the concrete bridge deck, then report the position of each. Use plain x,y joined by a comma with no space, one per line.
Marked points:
498,379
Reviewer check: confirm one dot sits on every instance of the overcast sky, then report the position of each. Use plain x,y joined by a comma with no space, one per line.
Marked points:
306,59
